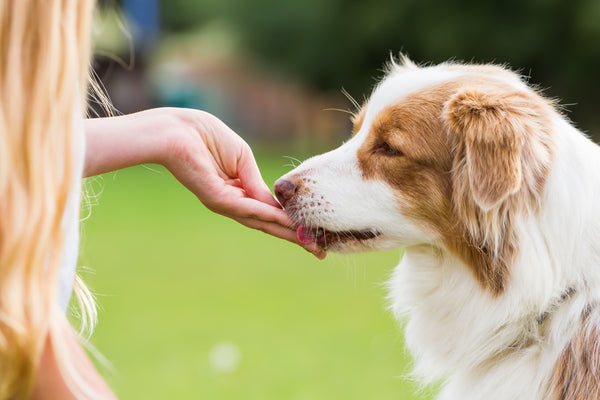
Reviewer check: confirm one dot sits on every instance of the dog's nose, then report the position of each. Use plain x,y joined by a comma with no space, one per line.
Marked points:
284,190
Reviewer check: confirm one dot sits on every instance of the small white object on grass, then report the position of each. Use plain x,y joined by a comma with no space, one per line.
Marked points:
224,357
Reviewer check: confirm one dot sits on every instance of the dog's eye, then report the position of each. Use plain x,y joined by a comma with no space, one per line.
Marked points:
385,149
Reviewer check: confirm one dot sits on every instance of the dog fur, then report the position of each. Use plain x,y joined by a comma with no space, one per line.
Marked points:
494,196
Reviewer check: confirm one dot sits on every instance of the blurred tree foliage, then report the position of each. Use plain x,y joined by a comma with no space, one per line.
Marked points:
344,43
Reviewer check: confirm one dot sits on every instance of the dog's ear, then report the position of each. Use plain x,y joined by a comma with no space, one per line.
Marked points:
503,146
490,131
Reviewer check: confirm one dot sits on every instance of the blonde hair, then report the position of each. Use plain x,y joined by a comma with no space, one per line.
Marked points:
44,68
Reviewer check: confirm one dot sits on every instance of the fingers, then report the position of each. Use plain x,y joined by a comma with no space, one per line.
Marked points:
266,218
252,180
282,233
246,207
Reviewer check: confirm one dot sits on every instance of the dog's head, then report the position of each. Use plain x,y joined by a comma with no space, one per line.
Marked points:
446,155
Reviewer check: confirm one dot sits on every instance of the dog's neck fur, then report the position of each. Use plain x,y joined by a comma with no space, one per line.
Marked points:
458,331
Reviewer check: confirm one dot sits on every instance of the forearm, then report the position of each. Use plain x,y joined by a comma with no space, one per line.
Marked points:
124,141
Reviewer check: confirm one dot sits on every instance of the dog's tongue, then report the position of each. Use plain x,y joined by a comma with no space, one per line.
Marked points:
305,235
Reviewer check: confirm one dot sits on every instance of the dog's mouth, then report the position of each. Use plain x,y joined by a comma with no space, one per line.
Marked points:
325,239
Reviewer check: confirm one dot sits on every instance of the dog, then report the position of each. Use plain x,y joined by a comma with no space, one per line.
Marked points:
494,195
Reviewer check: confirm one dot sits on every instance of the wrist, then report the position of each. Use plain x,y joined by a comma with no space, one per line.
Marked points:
159,130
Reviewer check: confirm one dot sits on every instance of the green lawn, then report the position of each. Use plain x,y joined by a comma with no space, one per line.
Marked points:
194,306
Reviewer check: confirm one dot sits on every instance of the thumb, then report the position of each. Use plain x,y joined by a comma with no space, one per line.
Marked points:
252,180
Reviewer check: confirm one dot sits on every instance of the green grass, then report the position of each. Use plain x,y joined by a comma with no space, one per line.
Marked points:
174,280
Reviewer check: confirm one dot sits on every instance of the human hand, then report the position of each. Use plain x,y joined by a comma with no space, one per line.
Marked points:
218,166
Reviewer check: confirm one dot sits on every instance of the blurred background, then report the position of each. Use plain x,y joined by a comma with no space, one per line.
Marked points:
194,306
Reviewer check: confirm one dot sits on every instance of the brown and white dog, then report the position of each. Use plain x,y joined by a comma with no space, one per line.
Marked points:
495,197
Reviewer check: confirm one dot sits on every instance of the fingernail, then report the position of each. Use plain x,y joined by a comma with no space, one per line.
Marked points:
320,254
